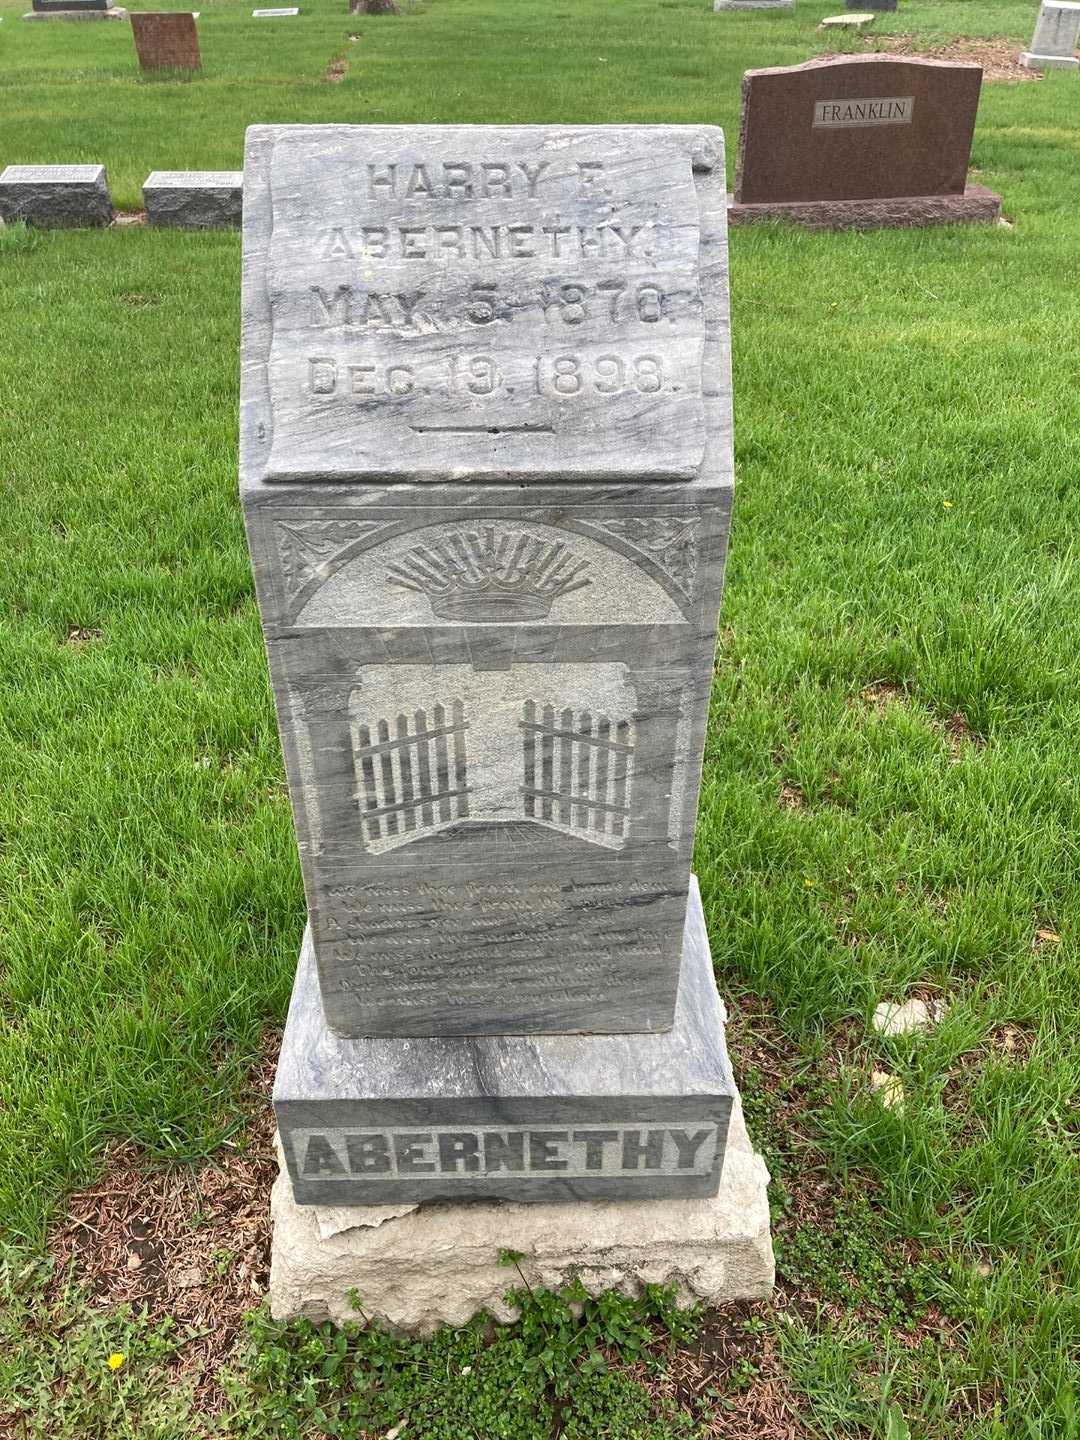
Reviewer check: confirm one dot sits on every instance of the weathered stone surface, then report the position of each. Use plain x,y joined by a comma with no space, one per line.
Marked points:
858,127
861,20
871,4
1053,46
166,40
548,1117
468,229
194,199
439,1264
492,696
373,7
276,13
977,205
55,195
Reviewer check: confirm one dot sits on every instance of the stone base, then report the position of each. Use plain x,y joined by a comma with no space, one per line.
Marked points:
1031,61
719,5
419,1268
375,1121
976,205
115,13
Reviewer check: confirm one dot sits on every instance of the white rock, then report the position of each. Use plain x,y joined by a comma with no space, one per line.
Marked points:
857,20
891,1018
889,1089
439,1264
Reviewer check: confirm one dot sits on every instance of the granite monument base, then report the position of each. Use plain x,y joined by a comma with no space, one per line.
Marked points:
416,1268
1031,61
376,1121
975,205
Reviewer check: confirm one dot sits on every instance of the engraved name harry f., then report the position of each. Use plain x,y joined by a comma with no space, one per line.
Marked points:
442,1150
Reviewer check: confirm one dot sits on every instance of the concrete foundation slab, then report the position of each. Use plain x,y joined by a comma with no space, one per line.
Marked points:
416,1269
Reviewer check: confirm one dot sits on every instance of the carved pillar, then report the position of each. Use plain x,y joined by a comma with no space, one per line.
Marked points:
656,725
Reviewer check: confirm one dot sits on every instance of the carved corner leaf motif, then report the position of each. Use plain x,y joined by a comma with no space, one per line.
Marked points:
669,541
310,550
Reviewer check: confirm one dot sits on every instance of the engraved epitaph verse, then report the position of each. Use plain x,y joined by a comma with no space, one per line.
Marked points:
487,307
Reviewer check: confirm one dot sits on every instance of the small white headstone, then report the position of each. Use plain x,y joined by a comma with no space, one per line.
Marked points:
272,14
1053,46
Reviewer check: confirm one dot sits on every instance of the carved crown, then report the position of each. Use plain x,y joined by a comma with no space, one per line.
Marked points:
499,574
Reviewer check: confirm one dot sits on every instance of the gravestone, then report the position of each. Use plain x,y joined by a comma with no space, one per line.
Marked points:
56,196
719,5
275,14
486,476
194,199
75,10
166,40
871,4
1053,46
860,141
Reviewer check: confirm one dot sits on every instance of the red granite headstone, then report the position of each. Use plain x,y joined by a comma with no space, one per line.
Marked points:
166,40
859,128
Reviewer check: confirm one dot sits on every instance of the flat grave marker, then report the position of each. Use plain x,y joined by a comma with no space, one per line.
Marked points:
194,199
56,196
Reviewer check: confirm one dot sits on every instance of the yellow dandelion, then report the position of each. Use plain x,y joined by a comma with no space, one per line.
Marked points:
947,504
808,883
115,1360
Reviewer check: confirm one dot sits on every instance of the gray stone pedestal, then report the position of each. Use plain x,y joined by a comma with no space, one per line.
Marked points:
419,1267
381,1120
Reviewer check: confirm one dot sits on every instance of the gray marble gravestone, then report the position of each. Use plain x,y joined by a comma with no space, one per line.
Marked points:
1053,46
486,474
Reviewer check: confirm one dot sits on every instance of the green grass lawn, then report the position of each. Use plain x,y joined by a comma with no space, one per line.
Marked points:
891,803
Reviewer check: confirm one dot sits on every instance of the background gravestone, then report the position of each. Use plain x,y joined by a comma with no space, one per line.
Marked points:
75,10
719,5
166,40
860,140
1053,46
486,474
194,199
56,196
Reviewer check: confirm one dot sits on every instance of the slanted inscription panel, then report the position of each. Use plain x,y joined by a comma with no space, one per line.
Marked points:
449,302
